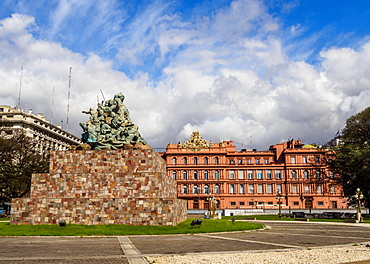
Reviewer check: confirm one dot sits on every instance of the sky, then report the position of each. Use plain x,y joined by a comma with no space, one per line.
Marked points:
257,72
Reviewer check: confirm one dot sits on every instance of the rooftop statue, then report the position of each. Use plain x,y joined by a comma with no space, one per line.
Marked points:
110,126
195,141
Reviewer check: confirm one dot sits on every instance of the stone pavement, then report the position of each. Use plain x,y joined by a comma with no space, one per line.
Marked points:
133,249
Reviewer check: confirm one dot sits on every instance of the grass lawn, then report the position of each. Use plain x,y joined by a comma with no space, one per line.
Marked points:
208,226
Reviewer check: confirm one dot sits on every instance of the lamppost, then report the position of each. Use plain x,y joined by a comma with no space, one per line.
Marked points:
279,197
358,197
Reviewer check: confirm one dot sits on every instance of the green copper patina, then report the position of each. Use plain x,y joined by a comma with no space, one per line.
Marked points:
110,126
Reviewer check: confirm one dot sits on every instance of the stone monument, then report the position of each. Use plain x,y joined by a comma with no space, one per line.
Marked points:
120,180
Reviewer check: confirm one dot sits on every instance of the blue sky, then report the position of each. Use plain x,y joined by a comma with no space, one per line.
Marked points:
256,72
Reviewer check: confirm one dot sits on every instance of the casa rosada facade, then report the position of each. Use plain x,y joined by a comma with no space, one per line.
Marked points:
290,173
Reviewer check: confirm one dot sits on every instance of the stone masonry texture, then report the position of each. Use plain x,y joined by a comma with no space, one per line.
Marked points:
102,187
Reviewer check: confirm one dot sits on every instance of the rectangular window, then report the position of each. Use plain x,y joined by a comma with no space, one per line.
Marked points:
305,160
295,189
332,189
307,189
250,174
241,174
231,162
251,188
258,161
240,161
293,160
249,161
266,161
259,189
241,188
295,203
319,190
251,203
232,188
270,203
278,188
268,174
320,203
278,174
232,203
232,174
259,174
241,203
269,188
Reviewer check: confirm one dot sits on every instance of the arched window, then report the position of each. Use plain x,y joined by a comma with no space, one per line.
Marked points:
174,161
195,175
305,174
217,175
185,189
195,161
294,175
205,161
184,175
217,189
216,160
206,189
185,161
206,175
174,175
195,189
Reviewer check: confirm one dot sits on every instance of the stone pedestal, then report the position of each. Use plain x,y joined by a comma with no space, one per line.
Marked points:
102,187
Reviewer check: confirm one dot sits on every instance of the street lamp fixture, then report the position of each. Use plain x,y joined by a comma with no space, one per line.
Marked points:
279,197
358,197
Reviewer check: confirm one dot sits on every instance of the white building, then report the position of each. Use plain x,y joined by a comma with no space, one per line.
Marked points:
36,126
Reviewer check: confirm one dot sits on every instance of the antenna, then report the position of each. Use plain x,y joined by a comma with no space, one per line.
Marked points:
69,96
52,106
20,88
102,94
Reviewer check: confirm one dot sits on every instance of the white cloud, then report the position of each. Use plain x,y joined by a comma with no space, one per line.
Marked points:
226,76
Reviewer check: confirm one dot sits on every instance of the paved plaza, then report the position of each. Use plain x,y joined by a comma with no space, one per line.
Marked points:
131,249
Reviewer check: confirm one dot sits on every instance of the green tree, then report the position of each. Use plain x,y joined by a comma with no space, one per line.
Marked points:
19,158
351,163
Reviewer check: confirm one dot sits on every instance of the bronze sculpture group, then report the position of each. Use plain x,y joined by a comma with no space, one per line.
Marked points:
110,126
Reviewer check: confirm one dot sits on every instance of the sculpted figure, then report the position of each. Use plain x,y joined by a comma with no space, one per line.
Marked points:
196,141
110,126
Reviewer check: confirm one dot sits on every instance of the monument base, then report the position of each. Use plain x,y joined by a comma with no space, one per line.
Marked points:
86,211
95,187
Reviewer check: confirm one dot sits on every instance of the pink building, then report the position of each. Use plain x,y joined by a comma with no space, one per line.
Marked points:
250,178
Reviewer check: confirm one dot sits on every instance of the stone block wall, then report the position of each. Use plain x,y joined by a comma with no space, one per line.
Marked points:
102,187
